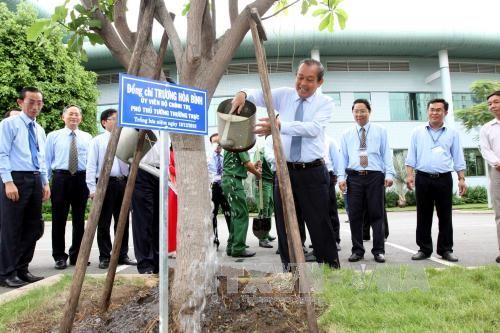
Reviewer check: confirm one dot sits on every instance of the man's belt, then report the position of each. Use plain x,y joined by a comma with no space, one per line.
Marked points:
66,172
305,165
36,173
117,178
352,172
433,174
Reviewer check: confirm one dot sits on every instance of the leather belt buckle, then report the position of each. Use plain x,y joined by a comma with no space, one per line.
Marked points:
362,172
434,175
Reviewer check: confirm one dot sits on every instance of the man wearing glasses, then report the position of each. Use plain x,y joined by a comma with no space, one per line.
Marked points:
24,187
435,151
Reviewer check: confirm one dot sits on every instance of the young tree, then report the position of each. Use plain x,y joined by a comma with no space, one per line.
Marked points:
201,61
478,114
52,68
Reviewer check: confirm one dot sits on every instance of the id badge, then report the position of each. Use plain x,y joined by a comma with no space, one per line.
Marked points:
437,150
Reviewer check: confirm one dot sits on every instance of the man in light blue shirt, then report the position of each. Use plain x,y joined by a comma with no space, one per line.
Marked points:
435,151
303,113
24,187
114,193
334,165
368,165
66,157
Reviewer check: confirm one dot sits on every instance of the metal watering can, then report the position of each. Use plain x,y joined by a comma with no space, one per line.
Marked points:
236,130
127,145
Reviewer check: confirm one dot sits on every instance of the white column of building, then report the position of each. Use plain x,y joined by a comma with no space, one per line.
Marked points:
446,84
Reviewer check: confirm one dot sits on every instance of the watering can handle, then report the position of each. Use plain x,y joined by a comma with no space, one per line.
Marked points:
225,131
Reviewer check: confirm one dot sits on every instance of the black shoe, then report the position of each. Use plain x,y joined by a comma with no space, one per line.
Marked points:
217,243
265,243
304,249
420,256
278,251
379,257
127,261
28,277
270,238
338,246
310,257
60,264
498,259
449,256
12,282
244,254
355,257
104,263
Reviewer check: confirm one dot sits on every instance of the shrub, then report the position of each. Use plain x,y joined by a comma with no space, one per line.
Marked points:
340,200
391,199
475,194
410,198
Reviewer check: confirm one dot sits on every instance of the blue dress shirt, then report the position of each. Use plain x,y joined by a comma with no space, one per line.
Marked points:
15,154
318,109
377,148
57,149
212,166
332,156
435,151
95,161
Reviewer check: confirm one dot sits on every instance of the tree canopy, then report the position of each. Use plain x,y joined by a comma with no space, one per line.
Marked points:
52,68
478,114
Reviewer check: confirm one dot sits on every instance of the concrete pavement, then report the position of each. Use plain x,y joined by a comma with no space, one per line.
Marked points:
474,236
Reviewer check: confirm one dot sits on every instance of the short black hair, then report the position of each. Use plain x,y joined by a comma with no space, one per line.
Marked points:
106,114
25,90
362,101
310,62
439,100
211,136
495,93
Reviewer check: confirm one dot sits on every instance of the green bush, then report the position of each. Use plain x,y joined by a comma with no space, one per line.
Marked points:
410,198
475,194
456,200
391,199
340,200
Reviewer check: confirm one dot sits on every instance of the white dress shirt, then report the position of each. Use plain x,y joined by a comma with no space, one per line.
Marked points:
489,139
318,109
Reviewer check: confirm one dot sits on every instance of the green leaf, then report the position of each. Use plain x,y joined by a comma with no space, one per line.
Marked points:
34,31
324,22
60,13
330,22
186,8
95,38
82,10
342,17
320,11
305,7
95,24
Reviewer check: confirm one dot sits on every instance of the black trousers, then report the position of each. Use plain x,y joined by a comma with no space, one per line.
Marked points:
111,209
146,222
22,223
367,224
334,214
68,191
310,189
366,193
219,200
430,192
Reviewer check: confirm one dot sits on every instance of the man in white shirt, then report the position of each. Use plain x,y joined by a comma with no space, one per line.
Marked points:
489,139
114,192
303,113
66,158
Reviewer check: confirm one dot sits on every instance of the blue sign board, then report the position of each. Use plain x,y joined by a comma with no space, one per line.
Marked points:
151,104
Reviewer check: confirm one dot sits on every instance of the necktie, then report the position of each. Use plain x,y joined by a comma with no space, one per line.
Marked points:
33,145
73,155
296,144
363,159
218,164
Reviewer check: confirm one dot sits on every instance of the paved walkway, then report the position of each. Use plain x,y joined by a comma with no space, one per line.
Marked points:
474,233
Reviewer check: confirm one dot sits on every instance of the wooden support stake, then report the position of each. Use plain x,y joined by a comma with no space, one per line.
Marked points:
285,186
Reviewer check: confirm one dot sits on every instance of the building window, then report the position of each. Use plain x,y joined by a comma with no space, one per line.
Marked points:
463,100
409,106
474,162
336,99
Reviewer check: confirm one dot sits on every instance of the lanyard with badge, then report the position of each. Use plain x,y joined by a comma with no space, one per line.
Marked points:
436,147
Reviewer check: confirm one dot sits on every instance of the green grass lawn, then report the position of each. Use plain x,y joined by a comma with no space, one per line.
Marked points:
447,300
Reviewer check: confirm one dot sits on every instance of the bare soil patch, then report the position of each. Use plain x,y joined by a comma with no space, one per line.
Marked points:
268,305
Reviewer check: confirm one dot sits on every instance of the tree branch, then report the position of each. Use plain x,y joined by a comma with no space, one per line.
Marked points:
194,31
279,11
108,33
163,17
208,32
145,27
233,10
214,17
121,25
